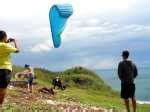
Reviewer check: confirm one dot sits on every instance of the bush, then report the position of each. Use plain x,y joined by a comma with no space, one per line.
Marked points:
75,77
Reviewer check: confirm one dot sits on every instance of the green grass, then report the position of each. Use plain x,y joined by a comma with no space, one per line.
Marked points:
84,86
91,98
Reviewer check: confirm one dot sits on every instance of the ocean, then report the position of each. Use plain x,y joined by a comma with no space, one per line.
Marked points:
142,82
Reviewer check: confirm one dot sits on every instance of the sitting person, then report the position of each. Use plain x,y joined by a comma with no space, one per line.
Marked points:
58,82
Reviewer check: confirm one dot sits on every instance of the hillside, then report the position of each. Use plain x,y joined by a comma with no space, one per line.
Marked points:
85,89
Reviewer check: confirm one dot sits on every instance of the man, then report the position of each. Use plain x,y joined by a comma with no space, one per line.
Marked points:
5,62
30,74
127,72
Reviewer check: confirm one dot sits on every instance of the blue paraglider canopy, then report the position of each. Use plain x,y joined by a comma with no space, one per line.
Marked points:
58,16
65,10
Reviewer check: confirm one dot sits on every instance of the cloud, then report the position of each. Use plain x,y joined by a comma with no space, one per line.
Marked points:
105,31
32,23
94,37
41,47
95,62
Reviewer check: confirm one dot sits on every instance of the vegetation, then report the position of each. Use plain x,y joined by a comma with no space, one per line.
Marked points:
84,87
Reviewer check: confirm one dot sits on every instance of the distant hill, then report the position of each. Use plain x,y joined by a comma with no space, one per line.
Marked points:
75,77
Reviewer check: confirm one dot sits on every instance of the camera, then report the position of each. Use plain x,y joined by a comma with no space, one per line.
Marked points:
10,40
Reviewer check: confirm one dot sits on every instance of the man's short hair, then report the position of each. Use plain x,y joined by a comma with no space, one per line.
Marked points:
125,53
26,66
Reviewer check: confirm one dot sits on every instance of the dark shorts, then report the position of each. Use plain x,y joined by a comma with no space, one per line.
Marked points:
5,76
30,80
127,91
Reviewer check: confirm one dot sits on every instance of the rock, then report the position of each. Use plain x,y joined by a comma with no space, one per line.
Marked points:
50,102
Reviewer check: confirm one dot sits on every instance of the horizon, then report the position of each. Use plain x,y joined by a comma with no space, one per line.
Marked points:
103,69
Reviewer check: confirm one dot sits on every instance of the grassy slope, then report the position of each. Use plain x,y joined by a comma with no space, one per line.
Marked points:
85,87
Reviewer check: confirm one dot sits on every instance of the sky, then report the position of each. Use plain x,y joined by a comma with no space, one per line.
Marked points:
95,35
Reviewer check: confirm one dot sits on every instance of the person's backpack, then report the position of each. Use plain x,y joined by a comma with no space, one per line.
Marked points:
129,71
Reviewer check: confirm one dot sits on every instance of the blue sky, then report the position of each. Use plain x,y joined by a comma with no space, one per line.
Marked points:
94,36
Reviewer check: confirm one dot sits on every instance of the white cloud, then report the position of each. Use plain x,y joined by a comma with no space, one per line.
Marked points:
92,62
96,31
101,63
105,64
42,47
95,24
105,31
24,9
28,20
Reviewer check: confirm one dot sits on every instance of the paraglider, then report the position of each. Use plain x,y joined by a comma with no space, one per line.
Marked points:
58,16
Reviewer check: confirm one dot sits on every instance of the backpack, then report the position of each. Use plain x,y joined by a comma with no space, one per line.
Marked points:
129,71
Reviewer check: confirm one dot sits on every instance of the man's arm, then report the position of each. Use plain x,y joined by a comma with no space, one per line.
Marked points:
135,71
25,72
